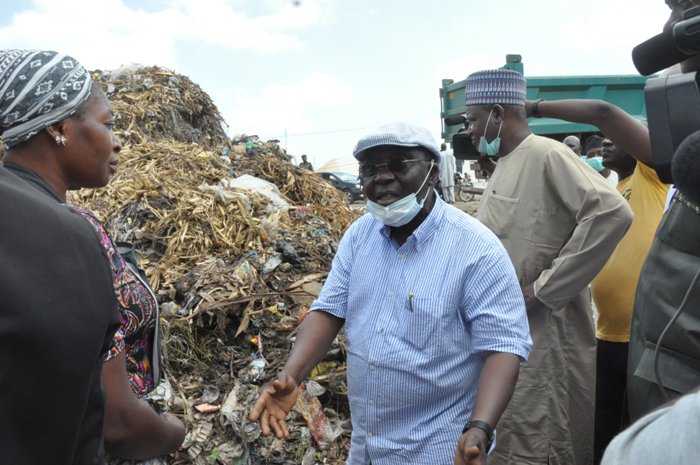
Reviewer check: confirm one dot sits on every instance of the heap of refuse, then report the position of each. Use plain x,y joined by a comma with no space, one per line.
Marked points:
152,103
236,242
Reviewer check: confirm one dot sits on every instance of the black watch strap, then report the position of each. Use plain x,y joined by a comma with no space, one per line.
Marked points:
483,426
535,108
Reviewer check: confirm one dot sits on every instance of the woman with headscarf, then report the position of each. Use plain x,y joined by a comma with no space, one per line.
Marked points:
57,128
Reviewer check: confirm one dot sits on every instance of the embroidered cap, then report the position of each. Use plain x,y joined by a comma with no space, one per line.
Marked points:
495,86
401,134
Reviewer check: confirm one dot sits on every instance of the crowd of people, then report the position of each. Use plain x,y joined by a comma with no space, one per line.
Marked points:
468,339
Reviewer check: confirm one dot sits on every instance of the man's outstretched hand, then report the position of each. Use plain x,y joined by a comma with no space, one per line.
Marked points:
275,402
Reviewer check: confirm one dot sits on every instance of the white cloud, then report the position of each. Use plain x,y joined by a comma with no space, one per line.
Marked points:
620,25
287,107
264,117
317,89
215,21
117,35
107,33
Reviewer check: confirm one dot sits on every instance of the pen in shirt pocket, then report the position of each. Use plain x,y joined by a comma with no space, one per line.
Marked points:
410,301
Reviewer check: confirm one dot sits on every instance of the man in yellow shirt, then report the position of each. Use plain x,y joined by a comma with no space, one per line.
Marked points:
615,285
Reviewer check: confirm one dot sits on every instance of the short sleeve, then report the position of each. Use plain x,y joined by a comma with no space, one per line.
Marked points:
496,308
333,298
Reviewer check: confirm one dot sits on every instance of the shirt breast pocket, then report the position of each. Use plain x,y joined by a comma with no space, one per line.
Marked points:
424,322
498,213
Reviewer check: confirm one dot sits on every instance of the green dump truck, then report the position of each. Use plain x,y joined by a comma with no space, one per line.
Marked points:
626,91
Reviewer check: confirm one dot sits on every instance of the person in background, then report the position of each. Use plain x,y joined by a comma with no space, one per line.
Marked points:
306,164
593,145
459,165
434,318
597,164
57,127
574,143
615,286
559,222
447,173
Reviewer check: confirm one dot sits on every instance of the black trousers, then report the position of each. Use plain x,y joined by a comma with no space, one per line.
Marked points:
611,415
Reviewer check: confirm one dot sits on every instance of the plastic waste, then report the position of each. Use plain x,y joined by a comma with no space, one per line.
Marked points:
261,186
288,253
320,428
210,395
273,262
254,371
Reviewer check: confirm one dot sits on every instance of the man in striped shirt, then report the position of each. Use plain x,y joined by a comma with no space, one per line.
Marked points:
434,317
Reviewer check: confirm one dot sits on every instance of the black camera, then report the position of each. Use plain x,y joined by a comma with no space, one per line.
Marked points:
673,101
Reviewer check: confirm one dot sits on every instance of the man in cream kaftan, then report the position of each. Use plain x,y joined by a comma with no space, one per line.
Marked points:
559,222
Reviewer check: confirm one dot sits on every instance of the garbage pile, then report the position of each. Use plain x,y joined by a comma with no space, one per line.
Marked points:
151,103
236,242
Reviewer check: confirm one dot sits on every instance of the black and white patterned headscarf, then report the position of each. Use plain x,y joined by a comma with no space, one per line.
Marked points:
38,89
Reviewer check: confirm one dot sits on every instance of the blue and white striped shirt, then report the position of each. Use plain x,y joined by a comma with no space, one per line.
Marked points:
417,318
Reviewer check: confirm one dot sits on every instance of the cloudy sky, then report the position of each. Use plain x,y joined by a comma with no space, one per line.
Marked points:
317,74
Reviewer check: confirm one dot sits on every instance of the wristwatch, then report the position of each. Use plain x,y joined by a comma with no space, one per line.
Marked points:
483,426
535,110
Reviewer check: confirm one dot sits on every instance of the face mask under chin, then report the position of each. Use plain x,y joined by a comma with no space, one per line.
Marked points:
403,210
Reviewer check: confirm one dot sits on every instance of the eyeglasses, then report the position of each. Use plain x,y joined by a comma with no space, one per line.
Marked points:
396,166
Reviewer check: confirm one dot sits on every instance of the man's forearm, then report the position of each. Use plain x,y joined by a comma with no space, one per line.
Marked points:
314,338
625,131
496,385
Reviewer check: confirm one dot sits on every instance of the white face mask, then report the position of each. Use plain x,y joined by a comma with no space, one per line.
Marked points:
402,211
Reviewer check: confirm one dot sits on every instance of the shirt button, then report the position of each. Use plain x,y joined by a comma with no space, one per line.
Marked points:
370,402
391,293
401,256
372,367
369,434
379,330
